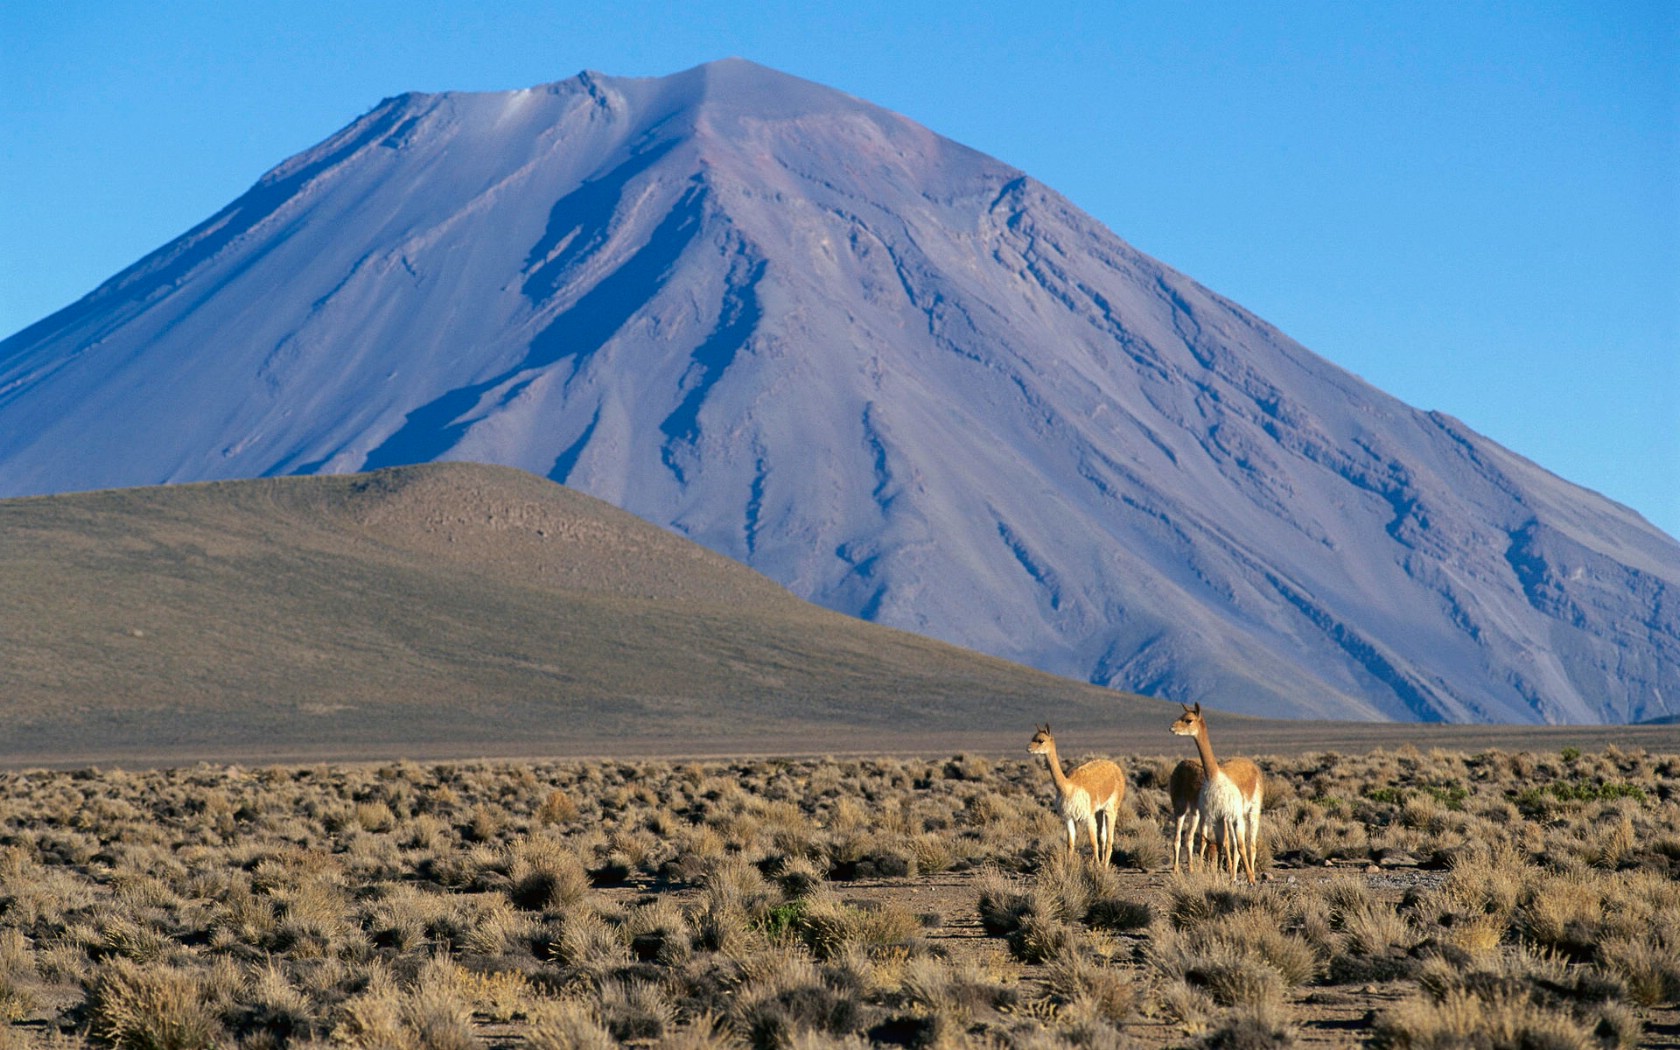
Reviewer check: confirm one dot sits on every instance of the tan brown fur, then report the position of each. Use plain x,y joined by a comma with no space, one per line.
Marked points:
1231,797
1090,795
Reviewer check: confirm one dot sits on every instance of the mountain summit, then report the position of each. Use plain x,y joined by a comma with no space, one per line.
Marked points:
901,378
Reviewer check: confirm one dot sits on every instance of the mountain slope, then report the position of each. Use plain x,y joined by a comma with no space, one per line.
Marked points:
448,606
899,377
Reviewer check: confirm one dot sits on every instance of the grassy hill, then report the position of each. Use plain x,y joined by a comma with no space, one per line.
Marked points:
448,609
456,610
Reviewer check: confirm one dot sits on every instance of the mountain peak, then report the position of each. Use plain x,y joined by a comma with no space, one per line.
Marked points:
730,86
745,84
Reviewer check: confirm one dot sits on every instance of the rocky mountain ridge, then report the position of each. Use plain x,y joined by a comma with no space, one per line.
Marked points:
903,379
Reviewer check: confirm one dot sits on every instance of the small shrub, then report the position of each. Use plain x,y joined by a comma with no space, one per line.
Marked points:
1188,1004
785,920
15,1000
1260,936
491,926
933,853
1650,966
439,1019
557,808
831,927
374,816
777,1012
1065,888
589,946
1118,914
636,1010
1003,904
954,991
968,767
1563,913
136,1007
277,1007
1140,847
1105,991
659,931
546,874
1201,897
798,876
1041,938
373,1016
704,1031
485,824
1262,1025
1231,977
1503,1019
1453,796
122,935
569,1025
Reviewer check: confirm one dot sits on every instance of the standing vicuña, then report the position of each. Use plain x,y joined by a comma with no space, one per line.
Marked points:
1185,790
1231,796
1090,795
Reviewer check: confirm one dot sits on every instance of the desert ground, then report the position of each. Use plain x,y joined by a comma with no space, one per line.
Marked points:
1407,896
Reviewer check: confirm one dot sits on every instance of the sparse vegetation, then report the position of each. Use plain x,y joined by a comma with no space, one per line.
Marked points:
1493,899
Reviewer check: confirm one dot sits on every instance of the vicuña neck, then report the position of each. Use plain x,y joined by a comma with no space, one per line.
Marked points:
1210,765
1056,773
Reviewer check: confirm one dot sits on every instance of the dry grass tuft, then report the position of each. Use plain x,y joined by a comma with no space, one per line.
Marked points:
137,1007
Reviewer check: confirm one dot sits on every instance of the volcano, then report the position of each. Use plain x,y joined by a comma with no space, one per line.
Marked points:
903,379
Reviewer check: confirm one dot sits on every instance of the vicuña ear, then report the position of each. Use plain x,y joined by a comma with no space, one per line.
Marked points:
1198,709
1186,706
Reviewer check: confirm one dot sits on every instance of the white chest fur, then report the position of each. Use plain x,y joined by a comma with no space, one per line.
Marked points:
1221,802
1076,804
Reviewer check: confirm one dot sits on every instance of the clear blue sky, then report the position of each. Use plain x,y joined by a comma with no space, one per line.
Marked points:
1475,206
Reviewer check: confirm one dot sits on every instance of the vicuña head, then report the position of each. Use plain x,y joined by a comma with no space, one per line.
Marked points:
1190,722
1042,742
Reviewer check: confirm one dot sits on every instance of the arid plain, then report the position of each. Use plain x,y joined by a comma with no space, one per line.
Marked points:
1406,898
